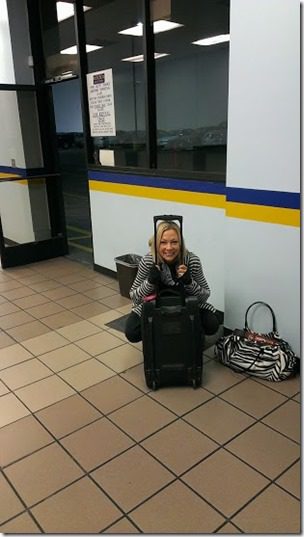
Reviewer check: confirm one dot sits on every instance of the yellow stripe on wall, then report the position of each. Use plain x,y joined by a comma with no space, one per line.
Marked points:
7,176
262,213
180,196
245,211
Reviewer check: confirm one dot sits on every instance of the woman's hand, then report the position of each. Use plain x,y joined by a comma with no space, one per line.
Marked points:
154,275
183,274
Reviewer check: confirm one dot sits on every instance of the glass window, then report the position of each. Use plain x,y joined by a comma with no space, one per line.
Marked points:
192,84
59,41
15,50
115,29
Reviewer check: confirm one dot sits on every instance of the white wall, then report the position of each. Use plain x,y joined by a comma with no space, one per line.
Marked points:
263,259
15,212
264,94
11,146
7,75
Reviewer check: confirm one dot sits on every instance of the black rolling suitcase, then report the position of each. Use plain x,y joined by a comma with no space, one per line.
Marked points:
172,338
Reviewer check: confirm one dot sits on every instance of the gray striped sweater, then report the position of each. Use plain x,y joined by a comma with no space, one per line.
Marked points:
198,286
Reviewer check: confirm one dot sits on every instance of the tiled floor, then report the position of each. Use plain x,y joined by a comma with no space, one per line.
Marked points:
85,447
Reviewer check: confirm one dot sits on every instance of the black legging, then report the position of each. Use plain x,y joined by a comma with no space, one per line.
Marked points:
209,321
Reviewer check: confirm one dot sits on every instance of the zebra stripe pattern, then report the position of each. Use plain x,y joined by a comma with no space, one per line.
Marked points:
269,362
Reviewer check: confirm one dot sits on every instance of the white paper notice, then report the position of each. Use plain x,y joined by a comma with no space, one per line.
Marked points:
101,103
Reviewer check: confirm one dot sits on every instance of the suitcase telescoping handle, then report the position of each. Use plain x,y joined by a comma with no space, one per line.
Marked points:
167,218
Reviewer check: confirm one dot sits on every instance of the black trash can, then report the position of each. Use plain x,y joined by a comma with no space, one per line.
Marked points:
126,266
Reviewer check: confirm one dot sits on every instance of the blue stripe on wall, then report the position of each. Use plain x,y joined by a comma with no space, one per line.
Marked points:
272,198
159,182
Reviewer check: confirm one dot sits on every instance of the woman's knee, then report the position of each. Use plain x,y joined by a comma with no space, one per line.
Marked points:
133,328
210,322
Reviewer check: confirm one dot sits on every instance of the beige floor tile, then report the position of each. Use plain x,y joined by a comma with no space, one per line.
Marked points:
30,301
20,292
79,508
121,358
33,278
5,340
11,409
45,392
291,480
122,526
28,330
3,389
132,477
8,285
21,438
225,482
228,528
64,357
72,278
42,473
289,387
103,318
84,285
14,319
297,398
14,354
98,343
253,398
90,310
44,285
136,376
99,293
73,301
265,449
111,394
179,446
102,279
96,443
7,307
43,310
67,416
22,524
25,373
10,504
78,330
217,377
59,292
114,285
287,420
180,399
59,320
126,308
273,511
116,301
219,420
165,513
44,343
132,418
86,374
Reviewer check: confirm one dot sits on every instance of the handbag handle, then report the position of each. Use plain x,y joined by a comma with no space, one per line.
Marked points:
274,324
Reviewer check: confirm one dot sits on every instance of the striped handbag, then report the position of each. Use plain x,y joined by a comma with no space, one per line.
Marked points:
266,356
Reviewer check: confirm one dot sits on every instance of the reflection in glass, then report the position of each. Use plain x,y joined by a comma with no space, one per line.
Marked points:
24,211
192,88
103,24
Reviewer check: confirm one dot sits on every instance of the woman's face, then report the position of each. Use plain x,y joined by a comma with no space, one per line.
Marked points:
169,247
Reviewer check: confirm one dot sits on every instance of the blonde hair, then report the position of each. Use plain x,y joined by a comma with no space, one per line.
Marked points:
160,230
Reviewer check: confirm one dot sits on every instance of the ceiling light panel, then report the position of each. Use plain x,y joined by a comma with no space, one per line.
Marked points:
208,41
65,10
73,49
158,27
140,57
